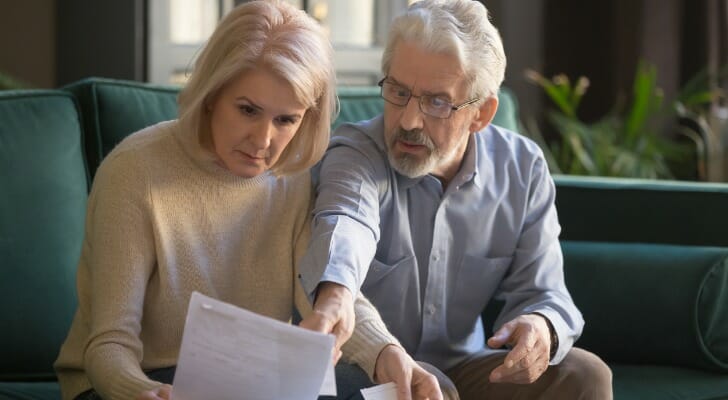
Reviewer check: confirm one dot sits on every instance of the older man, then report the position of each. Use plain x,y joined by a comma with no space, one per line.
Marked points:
433,212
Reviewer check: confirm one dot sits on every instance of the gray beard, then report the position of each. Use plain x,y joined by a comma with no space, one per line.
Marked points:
408,164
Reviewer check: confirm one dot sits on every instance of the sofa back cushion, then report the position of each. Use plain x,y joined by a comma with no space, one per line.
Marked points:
113,109
42,210
358,103
644,211
651,303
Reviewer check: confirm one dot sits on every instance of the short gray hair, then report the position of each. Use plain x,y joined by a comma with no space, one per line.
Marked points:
458,27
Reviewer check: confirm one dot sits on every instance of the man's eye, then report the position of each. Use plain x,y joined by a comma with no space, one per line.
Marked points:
438,102
401,92
398,91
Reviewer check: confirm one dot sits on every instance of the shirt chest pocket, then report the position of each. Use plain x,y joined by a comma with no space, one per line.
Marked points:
378,271
476,282
387,287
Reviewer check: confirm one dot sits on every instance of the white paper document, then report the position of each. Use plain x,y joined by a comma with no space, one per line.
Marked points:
387,391
328,386
231,353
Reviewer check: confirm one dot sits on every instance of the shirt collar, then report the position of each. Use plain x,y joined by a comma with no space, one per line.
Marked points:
469,169
406,182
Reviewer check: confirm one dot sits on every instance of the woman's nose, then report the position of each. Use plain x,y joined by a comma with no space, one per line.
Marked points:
261,135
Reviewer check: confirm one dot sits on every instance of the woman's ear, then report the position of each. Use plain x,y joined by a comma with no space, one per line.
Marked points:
484,114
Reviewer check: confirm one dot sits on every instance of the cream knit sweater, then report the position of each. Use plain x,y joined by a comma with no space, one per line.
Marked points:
163,220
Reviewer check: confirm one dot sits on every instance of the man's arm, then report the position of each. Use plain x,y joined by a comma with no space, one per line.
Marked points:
537,299
332,312
346,213
344,240
344,233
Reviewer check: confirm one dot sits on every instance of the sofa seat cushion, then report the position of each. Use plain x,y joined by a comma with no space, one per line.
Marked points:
652,382
651,304
42,209
30,391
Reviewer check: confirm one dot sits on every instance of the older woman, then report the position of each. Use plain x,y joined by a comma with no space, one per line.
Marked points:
217,202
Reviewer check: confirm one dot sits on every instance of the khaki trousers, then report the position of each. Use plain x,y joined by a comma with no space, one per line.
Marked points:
581,375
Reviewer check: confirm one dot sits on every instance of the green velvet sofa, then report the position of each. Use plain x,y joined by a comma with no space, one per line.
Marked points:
647,262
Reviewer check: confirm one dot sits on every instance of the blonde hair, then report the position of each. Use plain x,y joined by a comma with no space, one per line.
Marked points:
275,35
458,27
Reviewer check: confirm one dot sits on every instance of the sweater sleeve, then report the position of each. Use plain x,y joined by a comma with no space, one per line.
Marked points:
369,338
301,240
120,259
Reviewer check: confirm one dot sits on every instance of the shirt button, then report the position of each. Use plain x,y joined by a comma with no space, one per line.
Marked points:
435,257
431,309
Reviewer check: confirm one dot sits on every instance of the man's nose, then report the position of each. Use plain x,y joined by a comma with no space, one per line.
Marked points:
412,117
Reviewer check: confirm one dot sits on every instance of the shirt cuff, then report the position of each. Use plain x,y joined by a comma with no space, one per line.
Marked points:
342,278
564,340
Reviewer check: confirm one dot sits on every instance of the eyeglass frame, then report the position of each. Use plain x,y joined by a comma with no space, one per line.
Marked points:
419,100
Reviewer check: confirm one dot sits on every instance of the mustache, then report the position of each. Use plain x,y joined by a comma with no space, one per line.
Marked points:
414,136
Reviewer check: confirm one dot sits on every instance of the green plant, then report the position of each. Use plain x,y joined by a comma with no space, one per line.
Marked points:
8,82
696,95
624,143
699,107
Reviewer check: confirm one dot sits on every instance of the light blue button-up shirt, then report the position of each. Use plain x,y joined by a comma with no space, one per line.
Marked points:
429,258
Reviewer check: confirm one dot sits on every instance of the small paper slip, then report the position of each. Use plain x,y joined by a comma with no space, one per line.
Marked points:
387,391
231,353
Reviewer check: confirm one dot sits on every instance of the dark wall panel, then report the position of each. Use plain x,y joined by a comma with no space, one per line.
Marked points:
100,38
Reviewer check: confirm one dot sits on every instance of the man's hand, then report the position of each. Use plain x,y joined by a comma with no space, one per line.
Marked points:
333,312
163,392
530,339
413,382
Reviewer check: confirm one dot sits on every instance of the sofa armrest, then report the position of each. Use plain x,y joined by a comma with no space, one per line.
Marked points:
650,303
42,208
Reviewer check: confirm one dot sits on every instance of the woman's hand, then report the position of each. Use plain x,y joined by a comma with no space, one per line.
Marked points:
413,382
163,392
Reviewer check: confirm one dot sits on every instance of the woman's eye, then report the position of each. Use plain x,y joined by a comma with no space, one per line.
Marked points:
287,120
247,109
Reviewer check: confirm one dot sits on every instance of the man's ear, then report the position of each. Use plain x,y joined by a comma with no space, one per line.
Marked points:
485,114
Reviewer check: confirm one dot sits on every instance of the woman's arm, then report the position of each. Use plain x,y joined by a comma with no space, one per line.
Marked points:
119,257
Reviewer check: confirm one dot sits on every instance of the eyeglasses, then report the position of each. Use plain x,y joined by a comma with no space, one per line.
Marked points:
434,106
